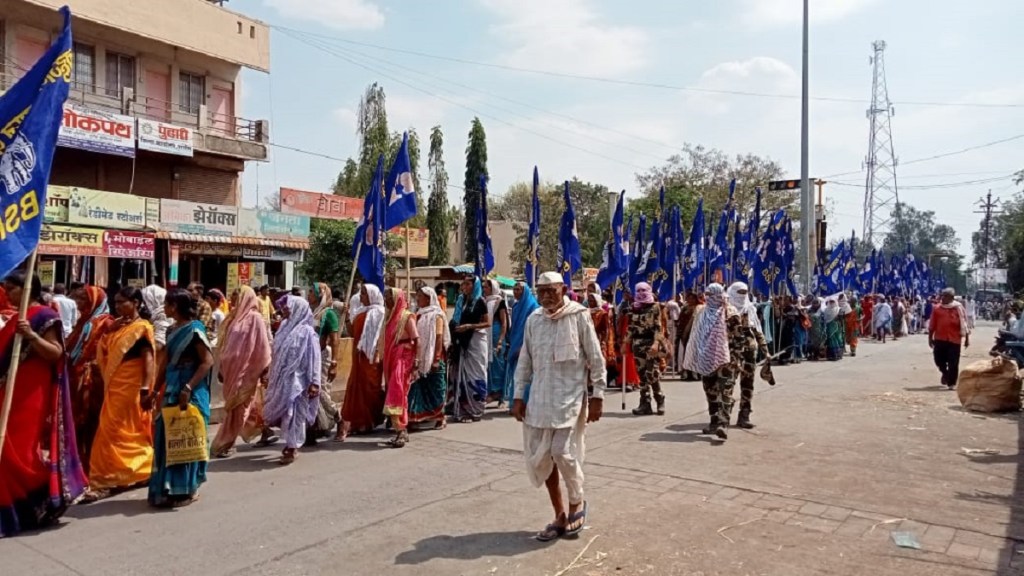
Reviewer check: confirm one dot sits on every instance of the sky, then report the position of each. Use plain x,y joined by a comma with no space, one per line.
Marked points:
518,65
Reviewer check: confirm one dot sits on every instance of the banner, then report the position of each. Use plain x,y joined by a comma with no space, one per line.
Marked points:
70,241
276,254
106,209
317,205
246,274
56,204
173,255
417,243
97,131
167,138
47,271
271,224
196,218
200,249
132,245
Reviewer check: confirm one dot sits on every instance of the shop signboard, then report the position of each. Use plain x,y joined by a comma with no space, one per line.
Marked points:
199,249
56,211
47,271
106,209
167,138
62,240
276,254
417,242
197,218
97,131
246,274
272,225
318,205
132,245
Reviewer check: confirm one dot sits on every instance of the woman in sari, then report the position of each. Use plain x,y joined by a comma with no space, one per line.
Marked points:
363,407
40,473
631,377
243,356
185,376
122,450
400,342
835,343
292,395
850,316
604,327
469,394
816,333
525,305
497,311
327,324
427,394
94,321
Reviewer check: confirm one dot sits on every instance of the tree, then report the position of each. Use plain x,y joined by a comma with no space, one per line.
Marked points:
591,203
345,184
330,245
437,211
476,167
926,239
374,140
271,201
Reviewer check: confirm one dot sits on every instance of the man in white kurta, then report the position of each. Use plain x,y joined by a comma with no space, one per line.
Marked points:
561,373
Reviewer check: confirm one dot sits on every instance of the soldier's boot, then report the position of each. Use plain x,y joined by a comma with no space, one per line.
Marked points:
713,411
660,401
644,409
743,420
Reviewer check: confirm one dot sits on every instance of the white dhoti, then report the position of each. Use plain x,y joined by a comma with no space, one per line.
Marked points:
564,448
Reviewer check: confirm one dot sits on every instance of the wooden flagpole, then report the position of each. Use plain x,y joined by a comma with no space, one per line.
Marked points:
408,266
12,370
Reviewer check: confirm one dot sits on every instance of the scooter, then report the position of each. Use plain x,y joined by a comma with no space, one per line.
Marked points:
1009,346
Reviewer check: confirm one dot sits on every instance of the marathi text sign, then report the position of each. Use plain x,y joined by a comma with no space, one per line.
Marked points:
97,131
133,245
56,204
317,205
106,209
417,243
269,224
70,241
278,254
197,218
167,138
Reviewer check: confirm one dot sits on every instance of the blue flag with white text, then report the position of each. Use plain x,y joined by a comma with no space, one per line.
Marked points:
368,245
30,114
401,190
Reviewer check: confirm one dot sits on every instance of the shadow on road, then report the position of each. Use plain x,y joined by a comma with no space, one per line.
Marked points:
247,462
470,547
114,507
935,388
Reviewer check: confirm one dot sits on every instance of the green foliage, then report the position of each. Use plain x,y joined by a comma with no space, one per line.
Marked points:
1008,239
346,182
437,211
329,256
476,166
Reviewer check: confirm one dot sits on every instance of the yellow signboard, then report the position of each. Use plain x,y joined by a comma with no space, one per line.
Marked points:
417,244
47,270
70,241
106,209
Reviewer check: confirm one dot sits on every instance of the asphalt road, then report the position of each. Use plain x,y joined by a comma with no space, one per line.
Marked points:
844,454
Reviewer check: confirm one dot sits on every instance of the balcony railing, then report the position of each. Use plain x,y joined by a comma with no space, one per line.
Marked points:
125,101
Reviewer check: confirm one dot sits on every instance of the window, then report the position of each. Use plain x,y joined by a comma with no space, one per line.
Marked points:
120,73
83,75
191,93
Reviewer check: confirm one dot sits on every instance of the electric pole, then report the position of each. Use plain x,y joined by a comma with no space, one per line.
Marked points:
880,190
987,208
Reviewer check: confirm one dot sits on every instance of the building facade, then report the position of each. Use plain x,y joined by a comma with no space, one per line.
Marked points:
152,126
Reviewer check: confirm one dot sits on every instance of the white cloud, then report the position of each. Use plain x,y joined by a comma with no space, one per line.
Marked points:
760,13
422,113
566,36
340,14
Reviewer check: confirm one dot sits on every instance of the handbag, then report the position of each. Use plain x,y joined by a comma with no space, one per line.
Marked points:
185,438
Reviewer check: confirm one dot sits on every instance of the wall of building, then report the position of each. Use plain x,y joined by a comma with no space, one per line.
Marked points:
503,239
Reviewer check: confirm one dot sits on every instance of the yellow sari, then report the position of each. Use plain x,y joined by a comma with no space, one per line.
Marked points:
122,453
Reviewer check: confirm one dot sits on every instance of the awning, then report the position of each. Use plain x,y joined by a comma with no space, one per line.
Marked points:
234,240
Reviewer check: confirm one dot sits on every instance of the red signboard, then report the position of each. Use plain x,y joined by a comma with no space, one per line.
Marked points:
317,205
133,245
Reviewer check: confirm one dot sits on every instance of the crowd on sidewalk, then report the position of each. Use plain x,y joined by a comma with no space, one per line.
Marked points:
95,381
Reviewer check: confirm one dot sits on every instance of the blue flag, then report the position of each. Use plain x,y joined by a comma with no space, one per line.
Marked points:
368,246
866,277
639,243
615,249
622,282
571,260
693,256
401,189
831,280
768,276
720,248
669,280
740,249
651,263
533,234
30,114
484,249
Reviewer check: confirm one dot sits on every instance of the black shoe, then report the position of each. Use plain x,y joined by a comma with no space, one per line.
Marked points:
710,428
743,421
644,409
660,400
721,433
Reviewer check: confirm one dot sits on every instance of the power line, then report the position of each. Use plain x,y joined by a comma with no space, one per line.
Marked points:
623,82
937,156
929,186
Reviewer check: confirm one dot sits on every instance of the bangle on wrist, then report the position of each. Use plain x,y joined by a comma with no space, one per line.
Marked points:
188,388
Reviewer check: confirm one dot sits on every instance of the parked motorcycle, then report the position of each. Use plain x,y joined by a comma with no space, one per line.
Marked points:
1009,346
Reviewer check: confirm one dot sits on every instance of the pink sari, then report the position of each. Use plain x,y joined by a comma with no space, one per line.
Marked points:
243,354
400,335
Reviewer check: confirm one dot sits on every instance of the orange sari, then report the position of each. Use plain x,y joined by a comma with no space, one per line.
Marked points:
122,451
86,391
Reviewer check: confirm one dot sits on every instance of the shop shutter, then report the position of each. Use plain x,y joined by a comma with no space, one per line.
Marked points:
208,185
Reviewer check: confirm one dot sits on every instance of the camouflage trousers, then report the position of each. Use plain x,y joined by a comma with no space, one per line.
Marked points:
649,369
718,389
747,369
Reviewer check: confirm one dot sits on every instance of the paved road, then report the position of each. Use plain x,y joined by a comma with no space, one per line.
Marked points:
844,454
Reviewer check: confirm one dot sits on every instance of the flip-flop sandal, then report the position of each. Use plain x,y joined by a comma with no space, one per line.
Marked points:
550,532
581,517
185,502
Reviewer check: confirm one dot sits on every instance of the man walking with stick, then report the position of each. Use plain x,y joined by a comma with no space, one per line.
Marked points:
562,365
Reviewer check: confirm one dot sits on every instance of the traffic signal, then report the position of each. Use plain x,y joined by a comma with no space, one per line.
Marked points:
783,185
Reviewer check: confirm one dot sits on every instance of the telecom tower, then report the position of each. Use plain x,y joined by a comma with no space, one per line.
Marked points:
880,196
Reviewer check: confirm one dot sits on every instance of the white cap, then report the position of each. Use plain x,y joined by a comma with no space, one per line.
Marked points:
548,278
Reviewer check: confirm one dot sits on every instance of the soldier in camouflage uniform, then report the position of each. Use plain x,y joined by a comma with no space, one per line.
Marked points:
749,342
645,337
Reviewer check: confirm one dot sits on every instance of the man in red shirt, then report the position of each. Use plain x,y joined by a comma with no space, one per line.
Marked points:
946,328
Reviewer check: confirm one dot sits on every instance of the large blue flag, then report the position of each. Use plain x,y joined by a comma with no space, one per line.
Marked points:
767,274
484,250
831,280
401,191
668,286
866,279
623,280
740,249
693,256
30,113
639,244
533,234
368,247
720,248
570,258
651,264
615,249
